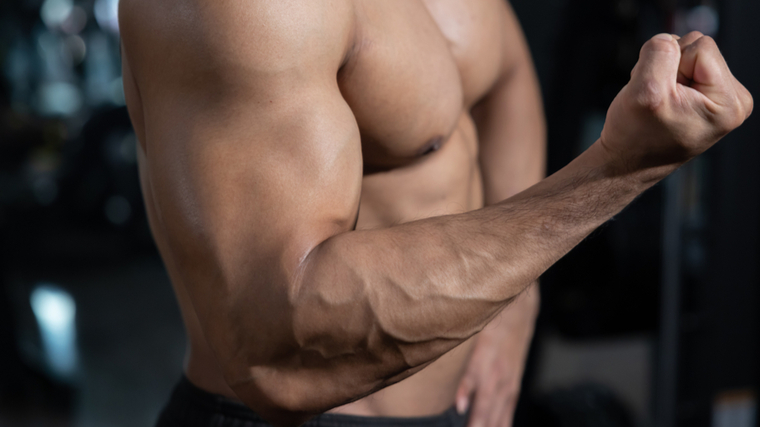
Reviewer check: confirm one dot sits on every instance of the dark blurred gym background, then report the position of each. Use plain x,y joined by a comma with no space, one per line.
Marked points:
652,321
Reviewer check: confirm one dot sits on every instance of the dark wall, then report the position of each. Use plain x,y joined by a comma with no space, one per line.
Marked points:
719,351
583,50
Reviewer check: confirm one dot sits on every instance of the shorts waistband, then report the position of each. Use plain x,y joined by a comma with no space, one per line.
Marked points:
190,405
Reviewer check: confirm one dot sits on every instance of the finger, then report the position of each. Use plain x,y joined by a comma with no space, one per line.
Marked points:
464,394
508,413
675,37
479,414
689,39
498,414
683,42
657,69
703,64
503,403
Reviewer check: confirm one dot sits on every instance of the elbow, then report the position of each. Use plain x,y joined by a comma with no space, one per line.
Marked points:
293,383
271,377
277,400
287,394
261,364
284,369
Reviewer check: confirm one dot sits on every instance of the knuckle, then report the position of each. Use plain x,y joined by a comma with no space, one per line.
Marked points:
694,35
739,110
740,106
708,40
706,43
650,97
750,104
738,117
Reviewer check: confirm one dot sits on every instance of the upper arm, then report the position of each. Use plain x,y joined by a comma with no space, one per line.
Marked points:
510,119
252,156
515,51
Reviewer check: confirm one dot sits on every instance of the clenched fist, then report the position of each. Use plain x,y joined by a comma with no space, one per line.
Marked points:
681,99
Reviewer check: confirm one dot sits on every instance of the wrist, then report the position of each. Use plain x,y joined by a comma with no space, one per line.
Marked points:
641,173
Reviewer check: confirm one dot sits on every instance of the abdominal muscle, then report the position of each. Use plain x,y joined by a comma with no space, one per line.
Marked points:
443,182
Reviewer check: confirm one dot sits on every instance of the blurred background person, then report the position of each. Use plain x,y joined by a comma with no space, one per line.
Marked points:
651,321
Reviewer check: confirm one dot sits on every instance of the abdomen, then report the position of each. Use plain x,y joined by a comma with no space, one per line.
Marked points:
446,182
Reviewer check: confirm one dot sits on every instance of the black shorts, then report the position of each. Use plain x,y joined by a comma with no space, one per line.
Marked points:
190,406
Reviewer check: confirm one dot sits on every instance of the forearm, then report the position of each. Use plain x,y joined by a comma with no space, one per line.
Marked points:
442,279
386,301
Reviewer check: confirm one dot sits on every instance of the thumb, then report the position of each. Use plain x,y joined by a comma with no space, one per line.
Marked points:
465,390
657,69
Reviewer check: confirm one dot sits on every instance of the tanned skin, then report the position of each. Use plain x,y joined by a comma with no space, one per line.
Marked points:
498,78
266,127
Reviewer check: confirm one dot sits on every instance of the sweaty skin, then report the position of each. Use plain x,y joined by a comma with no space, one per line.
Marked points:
266,127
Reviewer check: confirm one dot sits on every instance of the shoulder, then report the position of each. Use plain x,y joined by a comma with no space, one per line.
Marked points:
237,36
514,46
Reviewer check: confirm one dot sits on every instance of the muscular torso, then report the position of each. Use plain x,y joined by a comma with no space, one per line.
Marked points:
412,73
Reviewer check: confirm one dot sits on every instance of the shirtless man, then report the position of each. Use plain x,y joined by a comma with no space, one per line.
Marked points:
315,175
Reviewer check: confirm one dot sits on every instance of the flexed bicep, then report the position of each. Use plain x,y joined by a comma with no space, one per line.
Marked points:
250,159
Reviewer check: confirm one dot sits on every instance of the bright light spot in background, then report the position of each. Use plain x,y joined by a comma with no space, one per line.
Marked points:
74,49
55,312
703,19
100,69
107,14
75,22
734,408
59,98
55,12
118,210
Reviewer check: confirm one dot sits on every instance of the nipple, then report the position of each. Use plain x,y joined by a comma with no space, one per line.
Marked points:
432,146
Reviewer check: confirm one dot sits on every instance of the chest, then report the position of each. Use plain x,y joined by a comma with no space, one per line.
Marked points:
414,67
